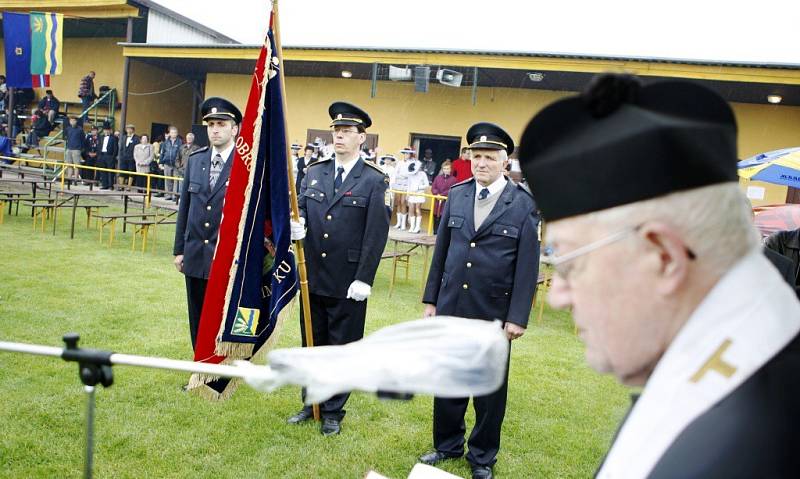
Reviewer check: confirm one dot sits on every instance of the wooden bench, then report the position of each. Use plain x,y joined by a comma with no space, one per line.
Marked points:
142,228
41,208
110,220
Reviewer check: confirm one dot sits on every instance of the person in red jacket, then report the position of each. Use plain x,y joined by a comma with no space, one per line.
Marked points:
462,166
441,186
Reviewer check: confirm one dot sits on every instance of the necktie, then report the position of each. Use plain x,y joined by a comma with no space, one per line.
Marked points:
483,194
337,183
216,169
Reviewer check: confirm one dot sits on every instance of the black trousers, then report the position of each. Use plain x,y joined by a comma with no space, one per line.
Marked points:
484,440
334,321
195,293
106,177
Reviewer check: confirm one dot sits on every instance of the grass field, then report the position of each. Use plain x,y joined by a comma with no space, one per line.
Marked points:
559,421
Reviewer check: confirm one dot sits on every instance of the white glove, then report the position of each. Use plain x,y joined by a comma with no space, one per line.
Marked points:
359,291
298,229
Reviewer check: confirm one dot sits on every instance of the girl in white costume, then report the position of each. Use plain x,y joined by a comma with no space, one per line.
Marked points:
401,184
417,183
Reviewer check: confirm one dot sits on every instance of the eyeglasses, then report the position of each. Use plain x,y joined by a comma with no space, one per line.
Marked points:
335,131
562,264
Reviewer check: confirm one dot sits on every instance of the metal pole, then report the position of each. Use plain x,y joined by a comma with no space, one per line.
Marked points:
88,464
123,116
475,86
374,90
301,255
11,116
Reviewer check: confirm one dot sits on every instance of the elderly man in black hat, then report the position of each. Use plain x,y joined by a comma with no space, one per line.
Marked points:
200,210
655,253
342,202
485,266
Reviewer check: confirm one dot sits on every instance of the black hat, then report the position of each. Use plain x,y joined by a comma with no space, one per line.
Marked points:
220,109
343,113
296,146
489,136
106,125
621,142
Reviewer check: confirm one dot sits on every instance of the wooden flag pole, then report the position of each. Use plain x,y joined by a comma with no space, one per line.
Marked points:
299,252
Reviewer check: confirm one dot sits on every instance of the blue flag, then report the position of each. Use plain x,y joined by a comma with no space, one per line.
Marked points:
17,42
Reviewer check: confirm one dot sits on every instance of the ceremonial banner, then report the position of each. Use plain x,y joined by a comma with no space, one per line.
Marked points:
46,40
253,275
17,43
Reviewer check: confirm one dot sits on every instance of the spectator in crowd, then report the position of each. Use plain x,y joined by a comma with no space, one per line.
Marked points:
303,163
400,183
142,156
109,147
91,148
170,149
74,137
787,243
155,168
126,158
441,186
3,92
40,128
485,266
462,167
86,92
417,183
429,165
50,105
183,156
5,145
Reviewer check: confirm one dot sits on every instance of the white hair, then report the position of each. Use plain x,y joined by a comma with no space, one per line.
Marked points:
715,221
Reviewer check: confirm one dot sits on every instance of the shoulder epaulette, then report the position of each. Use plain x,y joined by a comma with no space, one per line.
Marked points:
201,149
375,167
319,162
465,182
524,187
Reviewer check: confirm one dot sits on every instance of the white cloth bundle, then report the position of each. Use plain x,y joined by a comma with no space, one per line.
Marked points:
441,356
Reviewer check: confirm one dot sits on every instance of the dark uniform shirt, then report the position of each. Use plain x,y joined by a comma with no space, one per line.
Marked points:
347,231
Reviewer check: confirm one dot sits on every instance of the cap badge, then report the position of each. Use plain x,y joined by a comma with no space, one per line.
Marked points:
339,116
214,110
483,138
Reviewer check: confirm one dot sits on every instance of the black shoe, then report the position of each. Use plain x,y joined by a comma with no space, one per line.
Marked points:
330,426
435,457
481,472
303,415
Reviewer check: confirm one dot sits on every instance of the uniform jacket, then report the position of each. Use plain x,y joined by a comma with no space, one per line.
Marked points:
347,231
490,273
127,149
200,213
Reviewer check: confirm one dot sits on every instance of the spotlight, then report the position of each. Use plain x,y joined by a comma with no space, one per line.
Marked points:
774,99
536,76
346,74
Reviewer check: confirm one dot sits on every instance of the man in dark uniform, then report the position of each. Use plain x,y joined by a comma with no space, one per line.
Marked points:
202,195
342,202
107,158
129,141
485,266
656,257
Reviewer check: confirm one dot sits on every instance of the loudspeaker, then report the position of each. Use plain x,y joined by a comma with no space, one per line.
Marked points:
449,77
421,76
399,74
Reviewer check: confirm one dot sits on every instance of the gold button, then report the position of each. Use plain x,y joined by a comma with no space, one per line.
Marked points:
208,207
329,217
472,245
469,265
208,224
205,241
325,235
465,286
324,255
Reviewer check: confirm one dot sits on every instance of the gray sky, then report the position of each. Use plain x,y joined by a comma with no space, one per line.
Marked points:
742,31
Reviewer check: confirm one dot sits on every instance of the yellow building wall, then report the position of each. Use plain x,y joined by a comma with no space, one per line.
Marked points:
80,56
170,107
397,111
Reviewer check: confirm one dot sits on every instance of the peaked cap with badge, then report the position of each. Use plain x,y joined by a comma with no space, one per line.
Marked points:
216,108
488,136
347,114
621,141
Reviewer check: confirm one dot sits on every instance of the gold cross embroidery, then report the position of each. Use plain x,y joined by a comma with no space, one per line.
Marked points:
716,363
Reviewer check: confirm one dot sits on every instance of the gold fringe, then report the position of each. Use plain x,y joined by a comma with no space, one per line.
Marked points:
205,392
234,350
